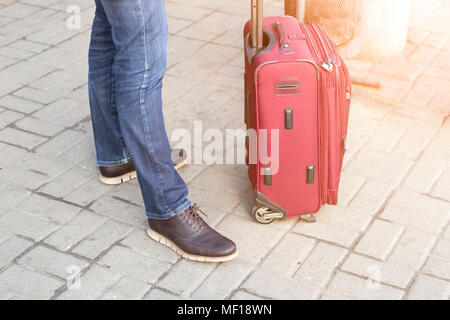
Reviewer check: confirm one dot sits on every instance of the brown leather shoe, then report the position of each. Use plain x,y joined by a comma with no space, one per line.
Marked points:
191,237
127,171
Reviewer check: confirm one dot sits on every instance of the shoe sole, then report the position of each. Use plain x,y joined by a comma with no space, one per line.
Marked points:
131,175
169,243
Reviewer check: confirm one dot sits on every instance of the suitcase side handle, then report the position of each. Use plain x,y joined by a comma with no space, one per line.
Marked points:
285,44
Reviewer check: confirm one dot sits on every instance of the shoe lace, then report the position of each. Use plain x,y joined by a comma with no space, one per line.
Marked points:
194,219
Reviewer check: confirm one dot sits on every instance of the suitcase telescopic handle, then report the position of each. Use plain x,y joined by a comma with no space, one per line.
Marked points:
257,24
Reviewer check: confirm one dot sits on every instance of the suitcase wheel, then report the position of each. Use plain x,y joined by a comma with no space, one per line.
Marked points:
264,215
308,217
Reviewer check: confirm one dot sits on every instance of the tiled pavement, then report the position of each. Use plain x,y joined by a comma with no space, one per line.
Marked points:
57,219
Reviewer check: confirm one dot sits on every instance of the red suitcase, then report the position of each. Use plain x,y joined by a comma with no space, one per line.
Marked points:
296,85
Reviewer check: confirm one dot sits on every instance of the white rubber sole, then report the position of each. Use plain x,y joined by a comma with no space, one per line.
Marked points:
131,175
120,179
165,241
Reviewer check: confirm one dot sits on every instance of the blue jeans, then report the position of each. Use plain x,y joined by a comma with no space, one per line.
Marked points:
127,62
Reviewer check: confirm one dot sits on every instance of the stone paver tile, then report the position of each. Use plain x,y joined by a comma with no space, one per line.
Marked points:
417,35
129,192
380,239
40,127
101,239
442,188
333,296
271,285
24,224
88,192
218,180
352,286
412,209
440,102
29,46
244,295
67,182
11,248
158,294
11,195
7,117
52,262
83,224
204,195
442,248
43,164
25,177
223,280
140,242
134,265
18,10
20,105
91,285
422,55
175,280
371,198
21,138
424,176
126,289
319,267
438,267
49,209
29,284
120,210
247,235
327,231
344,217
60,143
386,137
429,288
419,96
384,272
285,258
56,109
413,248
349,186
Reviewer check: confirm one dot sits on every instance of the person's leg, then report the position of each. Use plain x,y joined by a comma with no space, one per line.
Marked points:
139,33
109,143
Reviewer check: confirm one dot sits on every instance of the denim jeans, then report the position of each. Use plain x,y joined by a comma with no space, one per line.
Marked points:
127,62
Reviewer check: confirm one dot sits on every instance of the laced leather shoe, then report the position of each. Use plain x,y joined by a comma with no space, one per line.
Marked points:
191,237
127,171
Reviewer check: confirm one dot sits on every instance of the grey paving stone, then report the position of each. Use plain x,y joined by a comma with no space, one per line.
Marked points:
247,235
243,295
49,261
126,289
48,209
11,194
88,192
120,210
139,241
60,143
11,248
176,280
7,117
67,182
101,239
44,164
429,288
384,272
286,257
351,286
21,223
319,267
92,285
29,46
129,192
158,294
223,280
29,284
20,176
129,263
40,127
56,109
21,138
83,224
438,267
20,105
270,285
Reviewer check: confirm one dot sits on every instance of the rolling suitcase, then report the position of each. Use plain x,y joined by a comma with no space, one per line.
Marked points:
297,101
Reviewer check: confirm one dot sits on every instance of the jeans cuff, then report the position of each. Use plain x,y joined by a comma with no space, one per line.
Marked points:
186,204
101,163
